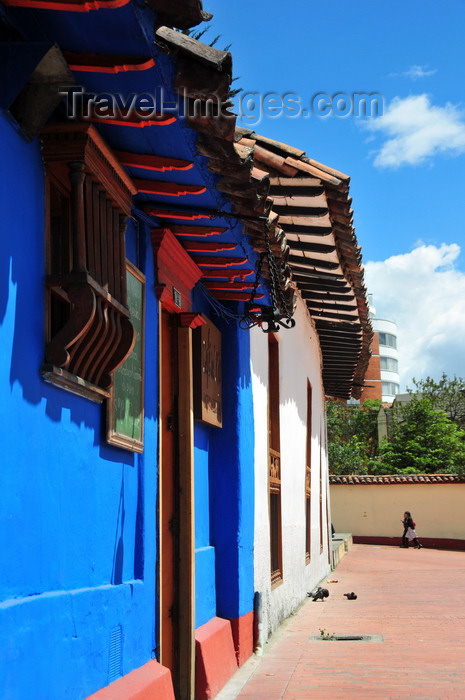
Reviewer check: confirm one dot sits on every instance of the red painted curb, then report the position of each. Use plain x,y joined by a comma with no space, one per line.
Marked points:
430,542
215,657
152,680
242,631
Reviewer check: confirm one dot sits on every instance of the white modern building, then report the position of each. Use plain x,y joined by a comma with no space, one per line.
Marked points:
388,354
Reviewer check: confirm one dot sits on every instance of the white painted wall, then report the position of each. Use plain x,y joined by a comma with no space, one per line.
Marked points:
300,359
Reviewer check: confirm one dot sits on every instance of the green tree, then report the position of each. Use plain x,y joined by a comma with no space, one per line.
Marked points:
423,440
446,394
352,437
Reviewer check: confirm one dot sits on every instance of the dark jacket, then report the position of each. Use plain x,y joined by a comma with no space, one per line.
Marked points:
408,522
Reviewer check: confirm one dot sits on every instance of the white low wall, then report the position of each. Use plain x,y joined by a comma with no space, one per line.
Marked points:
370,506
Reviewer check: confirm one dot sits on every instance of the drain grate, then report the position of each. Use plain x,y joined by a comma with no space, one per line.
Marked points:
346,638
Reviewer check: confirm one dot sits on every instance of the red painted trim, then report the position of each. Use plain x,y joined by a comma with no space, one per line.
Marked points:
235,296
149,162
227,274
427,542
173,189
179,230
201,247
192,320
219,262
92,63
73,6
174,268
157,120
164,214
230,286
164,294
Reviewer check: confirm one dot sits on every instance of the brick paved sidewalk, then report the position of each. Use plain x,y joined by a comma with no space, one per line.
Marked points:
414,599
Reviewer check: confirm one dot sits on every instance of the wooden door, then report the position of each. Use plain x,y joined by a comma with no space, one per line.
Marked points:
168,515
176,505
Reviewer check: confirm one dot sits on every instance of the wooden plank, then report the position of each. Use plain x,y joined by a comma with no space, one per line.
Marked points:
186,666
76,177
217,60
90,238
118,256
208,398
182,15
103,238
96,233
111,250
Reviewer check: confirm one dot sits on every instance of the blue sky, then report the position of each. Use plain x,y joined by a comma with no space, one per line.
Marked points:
406,167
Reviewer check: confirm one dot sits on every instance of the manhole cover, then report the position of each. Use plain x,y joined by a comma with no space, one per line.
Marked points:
346,638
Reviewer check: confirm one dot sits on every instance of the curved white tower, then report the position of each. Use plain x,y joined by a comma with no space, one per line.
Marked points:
388,358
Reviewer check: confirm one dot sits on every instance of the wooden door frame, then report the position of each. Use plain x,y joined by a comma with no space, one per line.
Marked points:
186,679
184,676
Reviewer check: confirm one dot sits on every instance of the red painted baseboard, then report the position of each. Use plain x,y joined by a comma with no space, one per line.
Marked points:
242,631
152,680
215,657
429,542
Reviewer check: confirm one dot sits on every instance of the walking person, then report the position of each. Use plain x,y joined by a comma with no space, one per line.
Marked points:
409,531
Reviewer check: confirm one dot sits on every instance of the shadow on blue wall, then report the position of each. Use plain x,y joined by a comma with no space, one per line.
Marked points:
232,479
118,552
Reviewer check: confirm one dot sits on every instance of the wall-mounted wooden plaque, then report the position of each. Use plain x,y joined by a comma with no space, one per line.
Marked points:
208,406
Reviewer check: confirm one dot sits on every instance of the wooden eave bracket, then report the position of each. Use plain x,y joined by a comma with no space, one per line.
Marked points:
194,50
182,14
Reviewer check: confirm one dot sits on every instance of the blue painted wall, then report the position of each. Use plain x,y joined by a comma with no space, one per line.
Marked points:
232,479
77,521
224,487
205,589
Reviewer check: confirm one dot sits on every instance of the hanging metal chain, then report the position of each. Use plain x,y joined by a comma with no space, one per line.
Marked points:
268,317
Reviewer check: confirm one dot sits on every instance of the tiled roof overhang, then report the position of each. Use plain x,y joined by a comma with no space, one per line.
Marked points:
355,479
316,226
117,47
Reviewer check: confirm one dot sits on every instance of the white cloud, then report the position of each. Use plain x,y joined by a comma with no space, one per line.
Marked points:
424,294
415,73
417,130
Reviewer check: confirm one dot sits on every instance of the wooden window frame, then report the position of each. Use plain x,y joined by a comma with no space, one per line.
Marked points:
125,406
274,463
308,479
88,330
323,450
